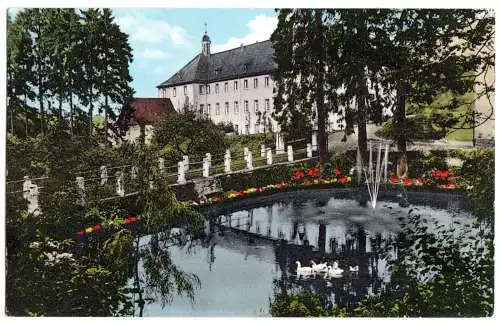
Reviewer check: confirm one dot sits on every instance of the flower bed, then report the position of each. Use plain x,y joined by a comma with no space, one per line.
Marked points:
101,226
311,178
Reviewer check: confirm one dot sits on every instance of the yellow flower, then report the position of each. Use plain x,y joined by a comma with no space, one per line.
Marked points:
88,230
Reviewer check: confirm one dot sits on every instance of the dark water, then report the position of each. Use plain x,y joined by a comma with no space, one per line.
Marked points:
249,255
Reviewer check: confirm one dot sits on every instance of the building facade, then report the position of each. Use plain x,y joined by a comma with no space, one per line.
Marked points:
233,86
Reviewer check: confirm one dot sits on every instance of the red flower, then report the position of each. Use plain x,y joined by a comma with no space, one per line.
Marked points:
96,227
298,175
338,172
343,180
81,232
216,199
394,179
407,182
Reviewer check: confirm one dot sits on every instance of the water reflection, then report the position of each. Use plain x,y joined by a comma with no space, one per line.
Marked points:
246,256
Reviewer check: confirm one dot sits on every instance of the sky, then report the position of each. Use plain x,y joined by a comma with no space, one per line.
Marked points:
164,40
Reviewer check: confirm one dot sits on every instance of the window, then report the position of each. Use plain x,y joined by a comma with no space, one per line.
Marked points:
247,129
201,89
256,129
202,108
217,88
268,106
225,87
245,107
208,109
226,105
217,109
236,129
236,85
255,83
266,81
174,91
208,89
245,84
236,107
256,105
185,90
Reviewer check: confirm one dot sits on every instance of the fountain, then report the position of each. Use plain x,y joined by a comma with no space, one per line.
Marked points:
374,175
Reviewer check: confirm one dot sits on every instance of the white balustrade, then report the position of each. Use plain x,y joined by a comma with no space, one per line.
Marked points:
269,156
314,140
309,151
185,159
227,161
249,160
80,183
290,153
104,174
206,167
181,174
262,150
161,164
120,189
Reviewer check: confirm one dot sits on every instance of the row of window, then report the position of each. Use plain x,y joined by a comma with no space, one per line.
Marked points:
235,107
206,88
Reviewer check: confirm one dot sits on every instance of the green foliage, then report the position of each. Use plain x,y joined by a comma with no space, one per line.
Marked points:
257,178
302,304
253,142
478,171
419,128
344,161
185,133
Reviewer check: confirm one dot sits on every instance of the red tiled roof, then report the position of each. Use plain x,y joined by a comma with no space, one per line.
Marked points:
149,110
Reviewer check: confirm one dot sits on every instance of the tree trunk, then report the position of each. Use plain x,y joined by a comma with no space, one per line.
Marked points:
106,120
401,132
320,89
40,101
361,109
71,114
26,116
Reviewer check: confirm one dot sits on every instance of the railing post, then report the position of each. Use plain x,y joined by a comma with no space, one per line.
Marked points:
26,187
263,150
280,144
185,159
33,207
269,153
208,156
161,164
181,175
314,140
206,167
290,153
104,174
80,183
249,160
120,190
309,151
227,161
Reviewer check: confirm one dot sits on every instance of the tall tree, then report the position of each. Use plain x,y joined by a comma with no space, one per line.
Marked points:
300,52
429,52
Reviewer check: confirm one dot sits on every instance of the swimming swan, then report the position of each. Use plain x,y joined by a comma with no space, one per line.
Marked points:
319,267
335,271
303,270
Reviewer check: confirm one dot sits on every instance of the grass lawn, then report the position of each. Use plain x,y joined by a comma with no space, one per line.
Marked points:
460,135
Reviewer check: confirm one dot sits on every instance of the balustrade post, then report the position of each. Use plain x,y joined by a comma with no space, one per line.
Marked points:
33,207
185,159
120,189
133,172
269,153
290,153
26,187
104,174
181,175
314,140
249,160
263,150
206,167
80,183
208,156
227,161
309,151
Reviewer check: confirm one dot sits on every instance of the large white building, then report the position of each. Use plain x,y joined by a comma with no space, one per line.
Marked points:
230,86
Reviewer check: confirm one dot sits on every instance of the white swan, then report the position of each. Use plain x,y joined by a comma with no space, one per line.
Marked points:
303,270
354,269
335,272
335,265
319,267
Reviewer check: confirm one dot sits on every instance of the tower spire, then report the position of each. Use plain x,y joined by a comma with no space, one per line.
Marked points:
205,43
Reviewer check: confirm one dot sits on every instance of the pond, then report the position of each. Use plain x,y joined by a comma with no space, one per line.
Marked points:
250,248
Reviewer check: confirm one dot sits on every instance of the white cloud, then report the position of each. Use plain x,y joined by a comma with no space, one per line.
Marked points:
152,54
146,30
260,29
